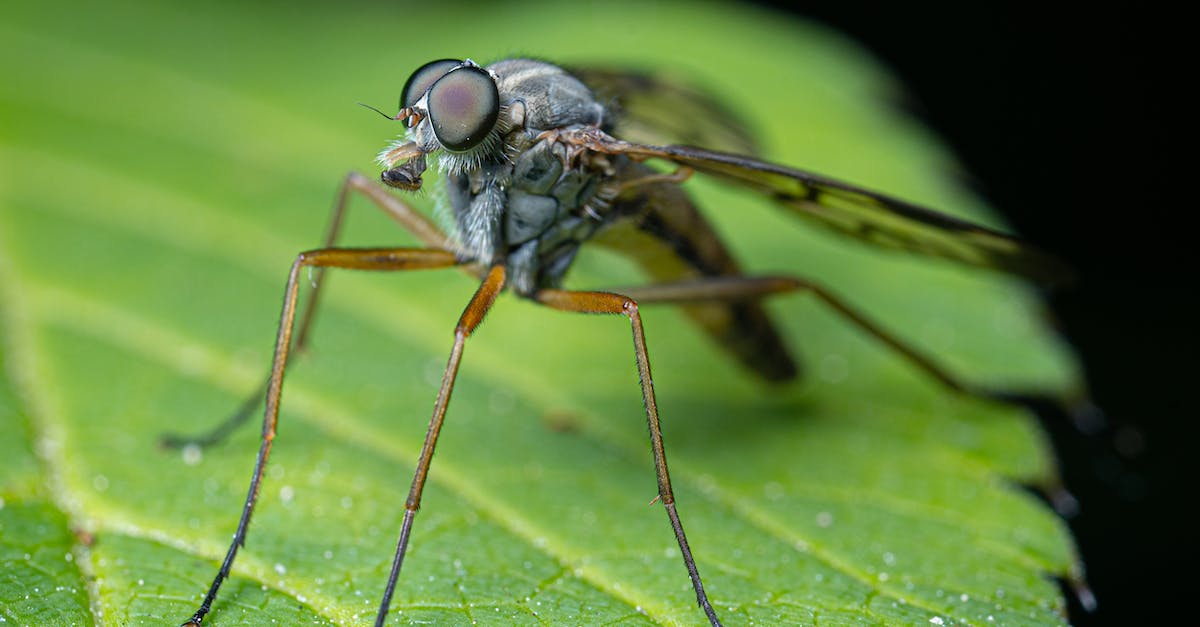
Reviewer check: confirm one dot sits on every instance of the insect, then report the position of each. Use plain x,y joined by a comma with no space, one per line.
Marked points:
534,170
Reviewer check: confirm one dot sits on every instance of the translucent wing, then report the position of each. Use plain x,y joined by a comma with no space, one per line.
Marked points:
848,209
652,108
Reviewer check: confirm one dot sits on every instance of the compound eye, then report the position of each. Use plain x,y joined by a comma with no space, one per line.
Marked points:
463,107
426,75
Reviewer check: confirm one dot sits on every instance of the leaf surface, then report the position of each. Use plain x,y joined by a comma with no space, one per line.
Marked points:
160,166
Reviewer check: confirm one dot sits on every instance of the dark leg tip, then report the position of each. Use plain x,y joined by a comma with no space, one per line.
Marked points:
1087,417
1063,502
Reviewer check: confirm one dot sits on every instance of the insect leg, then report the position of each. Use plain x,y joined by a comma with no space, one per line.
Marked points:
412,221
743,288
481,303
1076,406
605,302
387,259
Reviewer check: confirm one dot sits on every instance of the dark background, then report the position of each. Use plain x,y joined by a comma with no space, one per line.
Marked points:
1065,120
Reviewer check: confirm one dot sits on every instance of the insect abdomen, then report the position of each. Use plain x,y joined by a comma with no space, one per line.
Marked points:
671,241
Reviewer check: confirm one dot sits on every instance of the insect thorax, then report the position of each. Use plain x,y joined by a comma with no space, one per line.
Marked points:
526,207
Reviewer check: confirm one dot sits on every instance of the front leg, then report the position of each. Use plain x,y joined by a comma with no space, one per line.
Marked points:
378,259
405,215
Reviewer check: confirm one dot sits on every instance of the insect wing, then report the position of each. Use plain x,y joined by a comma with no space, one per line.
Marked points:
851,210
652,108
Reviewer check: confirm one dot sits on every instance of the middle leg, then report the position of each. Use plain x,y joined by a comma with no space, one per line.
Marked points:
481,303
608,303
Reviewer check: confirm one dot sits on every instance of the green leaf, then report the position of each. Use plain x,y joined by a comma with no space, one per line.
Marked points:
161,165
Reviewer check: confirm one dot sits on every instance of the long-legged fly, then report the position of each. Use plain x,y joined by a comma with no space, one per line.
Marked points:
535,169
